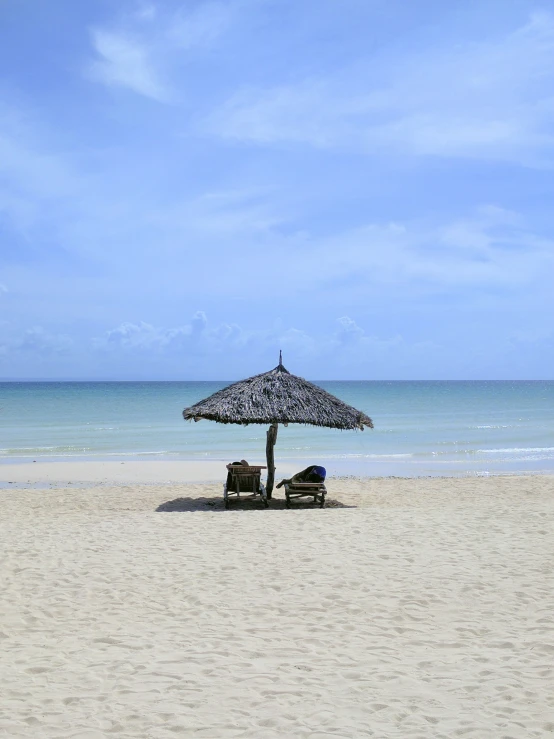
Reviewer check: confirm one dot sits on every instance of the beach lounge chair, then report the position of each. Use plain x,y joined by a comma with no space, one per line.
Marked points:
308,483
244,480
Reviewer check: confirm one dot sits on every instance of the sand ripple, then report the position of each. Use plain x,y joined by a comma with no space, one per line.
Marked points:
426,613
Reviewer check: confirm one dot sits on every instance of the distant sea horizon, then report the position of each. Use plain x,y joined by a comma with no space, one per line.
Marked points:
422,427
237,379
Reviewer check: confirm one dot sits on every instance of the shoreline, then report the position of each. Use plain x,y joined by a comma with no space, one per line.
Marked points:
167,472
129,472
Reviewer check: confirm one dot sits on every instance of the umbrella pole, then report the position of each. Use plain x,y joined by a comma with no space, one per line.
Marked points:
269,453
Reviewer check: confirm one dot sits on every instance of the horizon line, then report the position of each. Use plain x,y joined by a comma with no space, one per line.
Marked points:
74,379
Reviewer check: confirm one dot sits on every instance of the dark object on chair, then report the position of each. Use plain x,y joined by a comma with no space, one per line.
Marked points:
313,473
246,479
309,482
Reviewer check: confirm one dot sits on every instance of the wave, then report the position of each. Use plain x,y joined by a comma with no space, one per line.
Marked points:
322,453
80,452
500,426
30,451
517,450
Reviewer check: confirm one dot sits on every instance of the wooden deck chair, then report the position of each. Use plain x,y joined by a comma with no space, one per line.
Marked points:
308,483
244,480
315,490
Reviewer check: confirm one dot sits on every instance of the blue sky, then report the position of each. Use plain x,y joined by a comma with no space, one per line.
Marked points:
188,187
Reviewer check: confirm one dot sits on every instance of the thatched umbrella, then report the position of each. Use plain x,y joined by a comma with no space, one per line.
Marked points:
277,397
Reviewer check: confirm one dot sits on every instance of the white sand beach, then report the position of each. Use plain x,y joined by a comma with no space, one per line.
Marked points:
409,608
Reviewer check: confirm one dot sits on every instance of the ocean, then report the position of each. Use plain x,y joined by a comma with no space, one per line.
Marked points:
421,428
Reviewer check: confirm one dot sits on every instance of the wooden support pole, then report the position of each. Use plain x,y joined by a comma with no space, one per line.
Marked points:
269,453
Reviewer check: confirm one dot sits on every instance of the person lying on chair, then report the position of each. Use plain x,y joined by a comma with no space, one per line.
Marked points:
314,473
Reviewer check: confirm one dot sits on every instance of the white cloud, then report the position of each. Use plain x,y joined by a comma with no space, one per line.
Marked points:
488,249
142,336
295,343
346,336
3,289
348,331
134,350
199,323
146,47
41,342
215,352
309,112
126,62
488,100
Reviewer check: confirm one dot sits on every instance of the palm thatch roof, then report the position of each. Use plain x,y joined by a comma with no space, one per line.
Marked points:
277,397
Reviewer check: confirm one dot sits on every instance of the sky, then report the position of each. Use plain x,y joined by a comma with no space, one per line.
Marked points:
188,187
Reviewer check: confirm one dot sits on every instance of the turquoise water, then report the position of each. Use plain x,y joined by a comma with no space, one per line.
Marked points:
421,428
